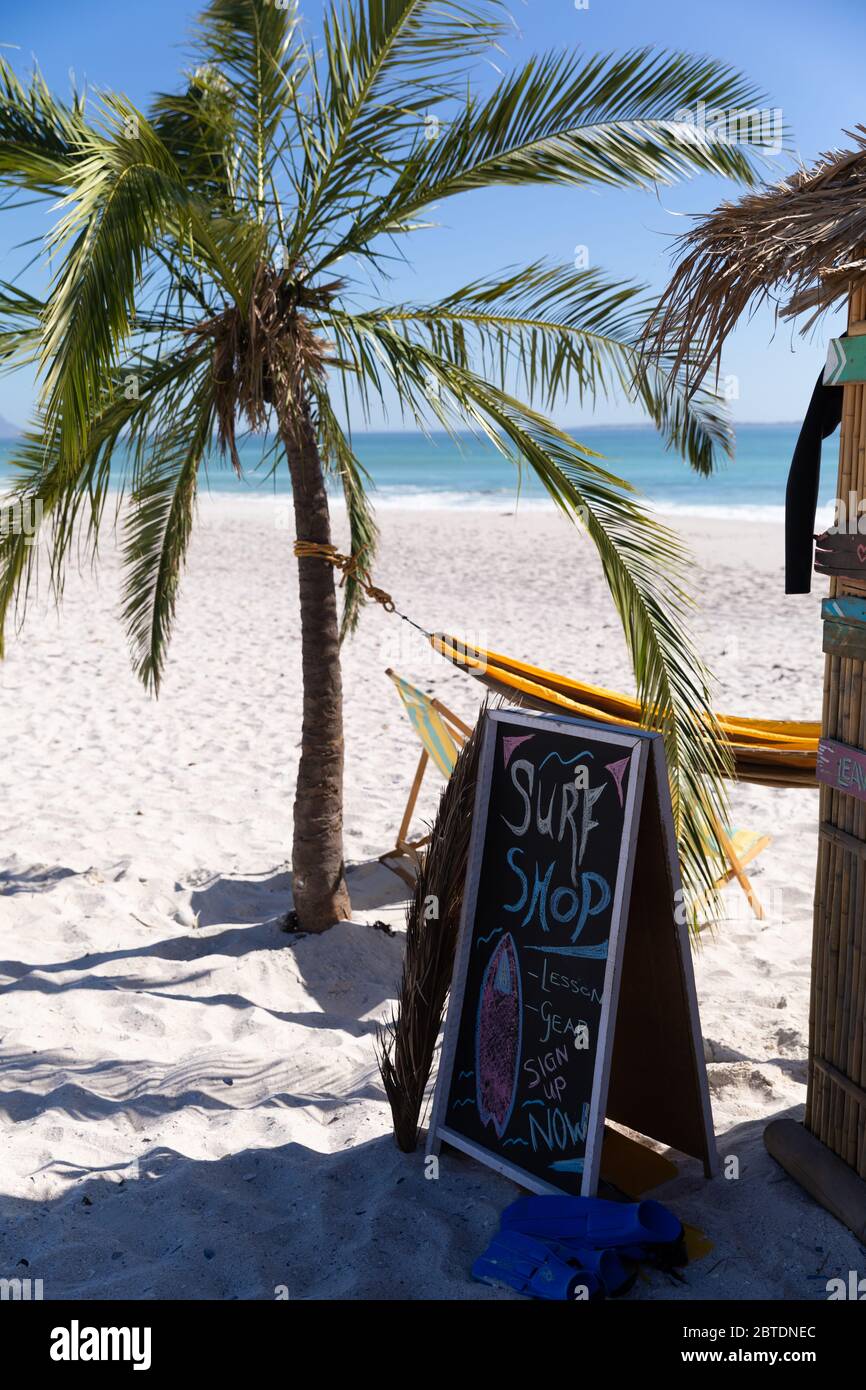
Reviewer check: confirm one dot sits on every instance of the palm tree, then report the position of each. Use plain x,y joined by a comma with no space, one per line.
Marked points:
205,261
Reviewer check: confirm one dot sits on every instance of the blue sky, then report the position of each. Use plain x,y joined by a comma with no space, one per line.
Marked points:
807,56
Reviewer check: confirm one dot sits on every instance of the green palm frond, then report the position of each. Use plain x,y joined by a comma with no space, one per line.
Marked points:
696,423
387,63
341,461
249,52
197,127
36,485
158,526
20,326
611,120
125,193
128,198
644,563
40,136
557,333
375,52
71,501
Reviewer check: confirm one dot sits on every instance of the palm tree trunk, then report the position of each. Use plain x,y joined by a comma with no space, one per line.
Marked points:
319,884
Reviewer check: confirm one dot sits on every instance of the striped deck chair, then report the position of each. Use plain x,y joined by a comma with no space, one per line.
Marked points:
442,734
741,847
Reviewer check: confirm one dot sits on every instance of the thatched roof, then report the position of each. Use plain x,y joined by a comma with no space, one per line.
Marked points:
800,243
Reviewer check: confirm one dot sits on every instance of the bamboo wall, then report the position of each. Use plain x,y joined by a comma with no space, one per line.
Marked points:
836,1104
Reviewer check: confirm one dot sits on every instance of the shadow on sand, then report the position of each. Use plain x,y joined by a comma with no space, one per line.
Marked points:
236,917
232,900
333,1217
365,1223
361,1223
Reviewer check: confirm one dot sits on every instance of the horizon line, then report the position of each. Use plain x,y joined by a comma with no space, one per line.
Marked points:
602,425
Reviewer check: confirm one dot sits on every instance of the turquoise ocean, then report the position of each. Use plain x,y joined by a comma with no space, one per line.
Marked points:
416,471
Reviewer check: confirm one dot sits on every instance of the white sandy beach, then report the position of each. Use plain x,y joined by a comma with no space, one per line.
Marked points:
190,1101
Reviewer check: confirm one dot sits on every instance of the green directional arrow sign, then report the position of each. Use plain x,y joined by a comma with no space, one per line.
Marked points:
846,360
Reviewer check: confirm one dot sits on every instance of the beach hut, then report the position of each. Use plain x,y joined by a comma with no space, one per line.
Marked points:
801,244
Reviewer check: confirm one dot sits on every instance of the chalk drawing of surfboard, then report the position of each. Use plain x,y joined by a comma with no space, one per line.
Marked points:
498,1037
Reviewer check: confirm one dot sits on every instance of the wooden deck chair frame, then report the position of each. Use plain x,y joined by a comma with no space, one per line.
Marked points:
738,864
406,848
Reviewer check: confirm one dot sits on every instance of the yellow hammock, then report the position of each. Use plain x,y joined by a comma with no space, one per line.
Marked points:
776,753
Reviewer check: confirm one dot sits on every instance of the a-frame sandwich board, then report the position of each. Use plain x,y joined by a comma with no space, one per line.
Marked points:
573,998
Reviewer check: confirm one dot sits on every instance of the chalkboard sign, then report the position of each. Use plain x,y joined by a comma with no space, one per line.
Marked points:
572,853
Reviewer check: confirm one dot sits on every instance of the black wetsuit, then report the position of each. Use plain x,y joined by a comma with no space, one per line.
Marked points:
801,499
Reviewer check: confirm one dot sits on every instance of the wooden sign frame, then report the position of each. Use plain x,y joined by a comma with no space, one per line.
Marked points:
649,983
840,555
842,768
846,360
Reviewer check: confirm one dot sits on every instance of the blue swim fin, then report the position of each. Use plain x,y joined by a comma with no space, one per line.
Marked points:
616,1278
540,1269
644,1231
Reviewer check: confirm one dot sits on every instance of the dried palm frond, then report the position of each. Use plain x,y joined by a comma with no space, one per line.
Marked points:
804,237
406,1042
265,353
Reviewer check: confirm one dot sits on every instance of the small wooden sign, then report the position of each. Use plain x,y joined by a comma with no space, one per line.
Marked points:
844,609
844,627
845,639
840,555
846,361
841,767
573,996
